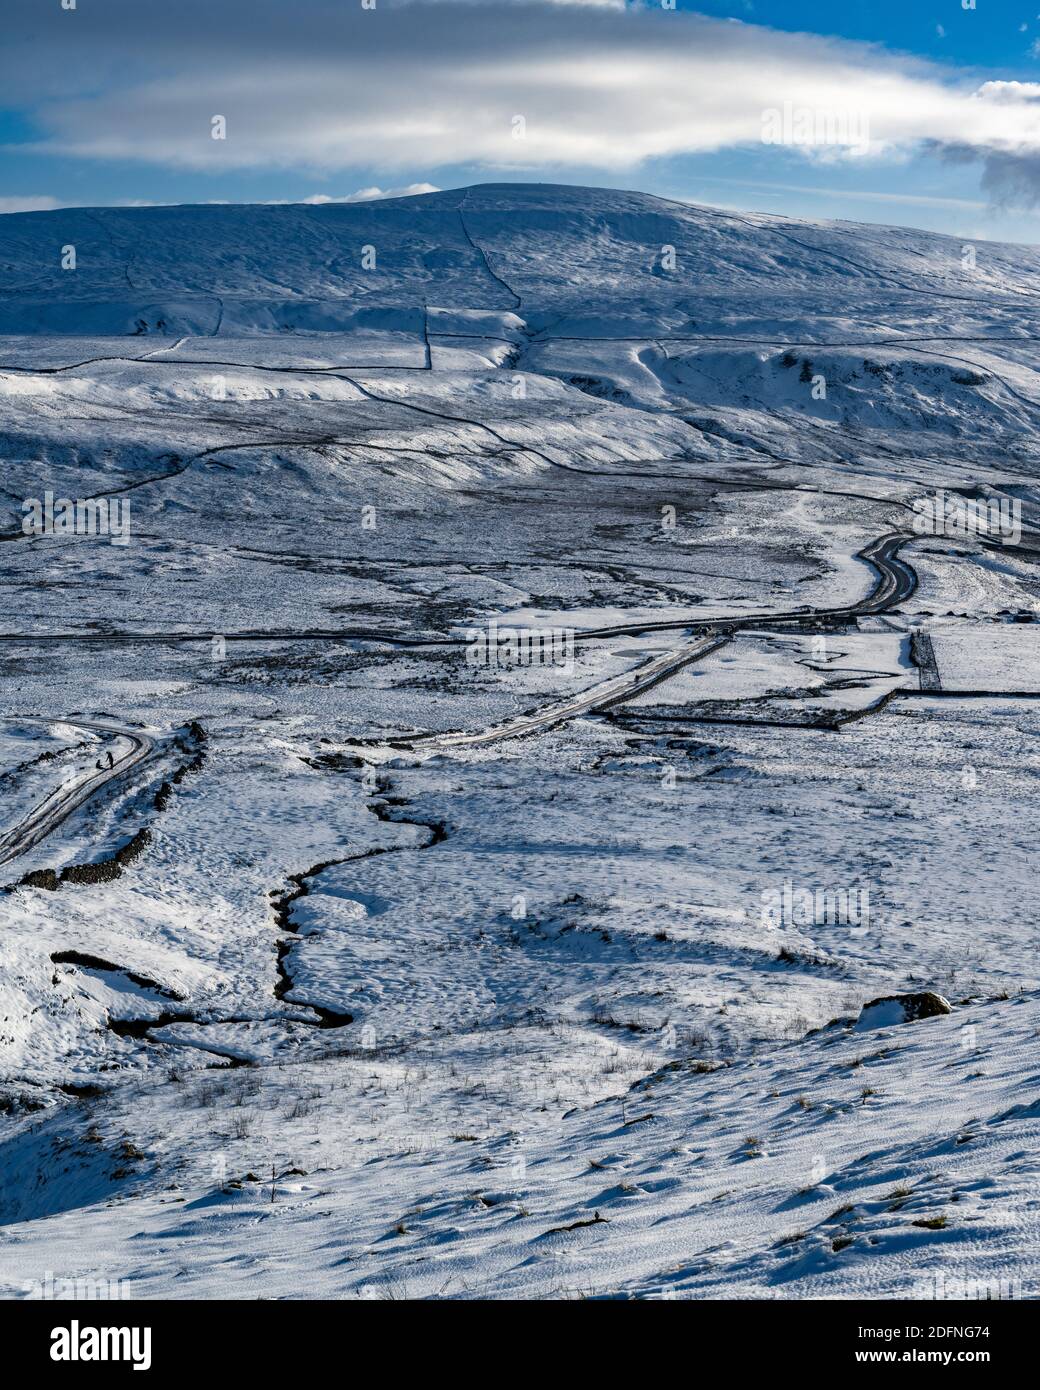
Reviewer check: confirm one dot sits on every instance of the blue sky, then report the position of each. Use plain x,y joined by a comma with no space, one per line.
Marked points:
991,34
113,102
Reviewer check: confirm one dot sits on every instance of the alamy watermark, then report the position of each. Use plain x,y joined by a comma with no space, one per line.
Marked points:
82,1288
966,1288
496,647
949,514
794,906
84,516
812,126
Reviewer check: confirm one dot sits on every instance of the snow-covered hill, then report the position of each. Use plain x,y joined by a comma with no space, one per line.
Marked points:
629,297
603,260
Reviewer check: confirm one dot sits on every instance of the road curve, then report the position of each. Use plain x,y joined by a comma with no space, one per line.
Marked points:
70,796
896,582
897,579
610,692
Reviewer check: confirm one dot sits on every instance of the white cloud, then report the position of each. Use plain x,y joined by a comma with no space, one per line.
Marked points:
857,195
369,195
325,86
28,204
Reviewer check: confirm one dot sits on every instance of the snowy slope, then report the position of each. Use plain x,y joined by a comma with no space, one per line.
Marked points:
597,257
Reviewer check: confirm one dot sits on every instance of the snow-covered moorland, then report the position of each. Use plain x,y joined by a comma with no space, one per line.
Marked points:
447,850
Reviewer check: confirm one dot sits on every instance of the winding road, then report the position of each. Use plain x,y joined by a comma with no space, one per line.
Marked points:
71,795
611,692
896,582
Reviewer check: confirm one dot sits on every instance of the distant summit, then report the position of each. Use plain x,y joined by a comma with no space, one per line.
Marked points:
541,251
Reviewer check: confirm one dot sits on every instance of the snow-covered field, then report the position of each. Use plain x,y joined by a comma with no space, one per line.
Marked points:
347,950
